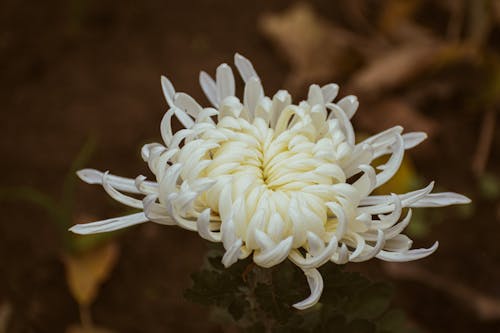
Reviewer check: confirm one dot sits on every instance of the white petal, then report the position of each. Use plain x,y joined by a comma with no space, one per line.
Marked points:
228,233
400,243
183,117
245,67
120,197
109,224
441,199
367,182
263,240
92,176
340,115
349,104
316,244
407,198
329,91
225,82
252,95
155,212
361,154
165,129
398,228
383,140
273,255
413,139
188,104
315,282
315,95
382,204
168,90
209,88
232,254
341,218
203,224
276,226
387,221
407,255
169,182
342,256
391,167
280,100
315,261
226,201
381,242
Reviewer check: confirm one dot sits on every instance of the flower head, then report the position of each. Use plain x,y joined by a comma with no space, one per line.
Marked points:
273,179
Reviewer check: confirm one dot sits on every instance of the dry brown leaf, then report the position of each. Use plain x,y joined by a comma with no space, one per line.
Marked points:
81,329
495,9
395,67
396,12
86,271
396,111
316,49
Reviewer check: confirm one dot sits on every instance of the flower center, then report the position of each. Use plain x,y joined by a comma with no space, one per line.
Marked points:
272,181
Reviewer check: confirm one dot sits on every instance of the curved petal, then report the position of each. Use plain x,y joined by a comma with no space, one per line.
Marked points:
441,199
374,250
120,197
232,254
203,224
112,224
391,167
168,90
245,67
407,255
315,261
272,256
315,282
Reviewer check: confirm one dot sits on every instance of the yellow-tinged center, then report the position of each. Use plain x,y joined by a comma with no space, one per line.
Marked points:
273,181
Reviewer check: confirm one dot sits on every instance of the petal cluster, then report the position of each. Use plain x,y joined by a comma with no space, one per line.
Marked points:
273,179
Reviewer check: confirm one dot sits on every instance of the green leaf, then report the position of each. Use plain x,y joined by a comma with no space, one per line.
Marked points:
260,299
237,307
272,303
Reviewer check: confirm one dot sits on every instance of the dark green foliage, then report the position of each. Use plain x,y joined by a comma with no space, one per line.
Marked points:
260,300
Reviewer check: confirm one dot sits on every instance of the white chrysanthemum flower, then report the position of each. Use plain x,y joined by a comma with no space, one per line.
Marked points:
273,179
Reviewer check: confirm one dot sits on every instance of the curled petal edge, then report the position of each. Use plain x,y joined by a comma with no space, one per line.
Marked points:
315,282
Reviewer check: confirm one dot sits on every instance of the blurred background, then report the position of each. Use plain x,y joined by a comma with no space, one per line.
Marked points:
80,87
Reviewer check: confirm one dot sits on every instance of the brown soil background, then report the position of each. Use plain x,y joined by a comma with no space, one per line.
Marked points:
67,72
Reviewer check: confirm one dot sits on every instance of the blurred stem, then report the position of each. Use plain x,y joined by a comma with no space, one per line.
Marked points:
85,316
479,25
68,192
484,143
37,198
